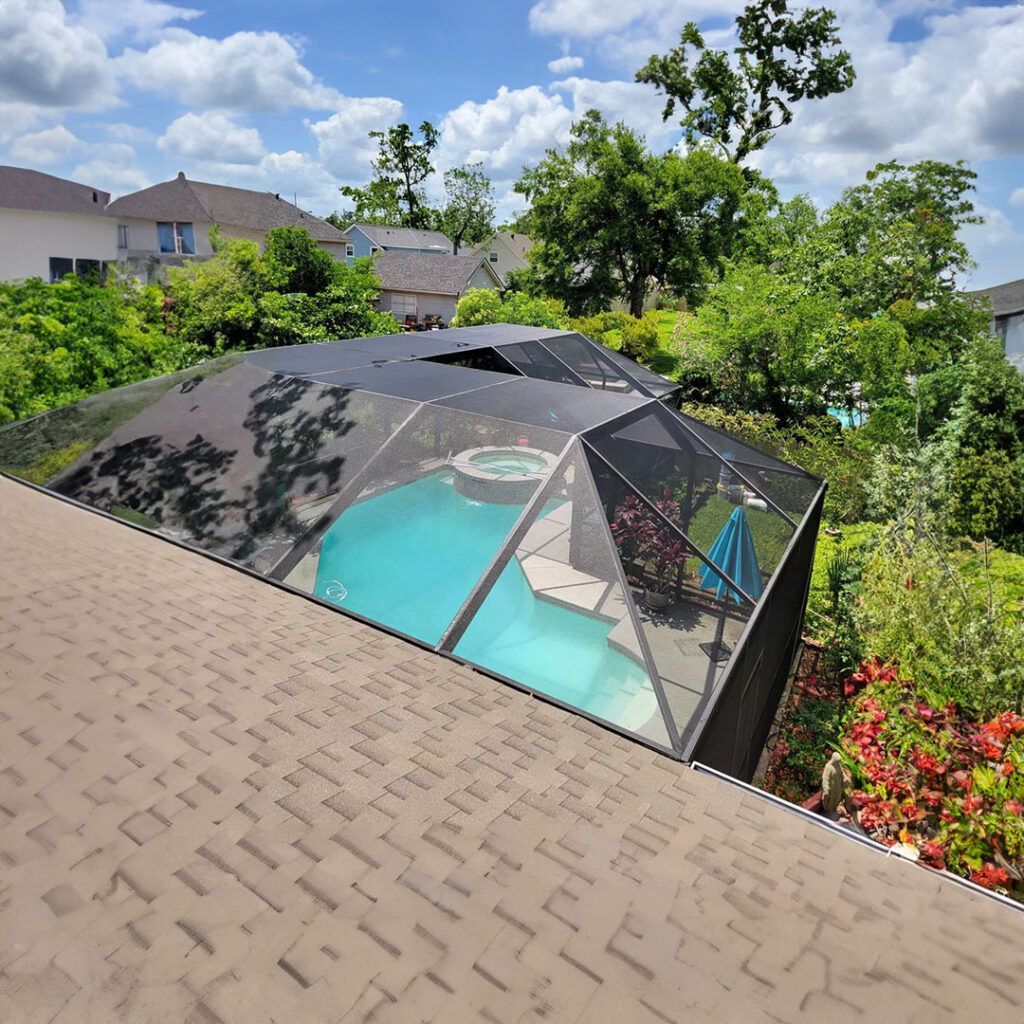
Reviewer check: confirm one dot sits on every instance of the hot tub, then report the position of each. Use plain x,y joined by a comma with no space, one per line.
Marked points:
506,476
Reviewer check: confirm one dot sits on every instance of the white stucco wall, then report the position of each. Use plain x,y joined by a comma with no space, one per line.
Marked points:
28,239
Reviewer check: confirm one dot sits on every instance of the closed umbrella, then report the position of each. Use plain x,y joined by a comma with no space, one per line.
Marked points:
733,552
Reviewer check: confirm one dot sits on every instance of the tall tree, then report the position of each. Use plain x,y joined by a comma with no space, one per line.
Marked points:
401,167
612,220
739,102
469,205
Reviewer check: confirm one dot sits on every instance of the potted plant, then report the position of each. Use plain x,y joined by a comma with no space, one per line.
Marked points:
666,560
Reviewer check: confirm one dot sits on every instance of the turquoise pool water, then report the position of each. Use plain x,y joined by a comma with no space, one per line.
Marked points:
509,462
408,558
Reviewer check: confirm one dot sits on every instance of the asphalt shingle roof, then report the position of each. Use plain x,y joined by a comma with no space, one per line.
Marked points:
185,200
24,189
422,272
405,238
224,803
1005,298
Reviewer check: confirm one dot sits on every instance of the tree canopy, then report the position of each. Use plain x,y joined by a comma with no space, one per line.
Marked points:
468,210
737,103
612,220
394,195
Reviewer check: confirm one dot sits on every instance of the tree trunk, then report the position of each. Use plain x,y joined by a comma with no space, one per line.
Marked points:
637,294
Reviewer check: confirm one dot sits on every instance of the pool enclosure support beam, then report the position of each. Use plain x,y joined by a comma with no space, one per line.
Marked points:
678,419
305,543
735,587
453,632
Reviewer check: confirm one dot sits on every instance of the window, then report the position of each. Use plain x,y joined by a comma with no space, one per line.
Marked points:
493,257
122,236
89,268
374,248
1011,330
403,305
59,266
176,237
350,250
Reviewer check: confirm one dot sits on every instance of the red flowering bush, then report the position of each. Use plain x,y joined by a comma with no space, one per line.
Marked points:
932,777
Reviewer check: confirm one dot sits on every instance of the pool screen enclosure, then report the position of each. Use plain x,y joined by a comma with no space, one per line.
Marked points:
520,499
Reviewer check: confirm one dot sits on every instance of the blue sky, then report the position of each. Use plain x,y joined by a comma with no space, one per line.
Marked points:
280,95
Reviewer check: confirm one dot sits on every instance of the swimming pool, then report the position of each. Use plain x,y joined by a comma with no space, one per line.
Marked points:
509,461
408,558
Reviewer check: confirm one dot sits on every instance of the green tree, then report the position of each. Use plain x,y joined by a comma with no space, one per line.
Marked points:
394,195
295,263
612,220
469,205
486,306
738,103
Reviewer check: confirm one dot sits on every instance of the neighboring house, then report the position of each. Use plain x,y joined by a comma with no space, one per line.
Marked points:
504,251
369,239
50,226
169,222
418,286
1007,317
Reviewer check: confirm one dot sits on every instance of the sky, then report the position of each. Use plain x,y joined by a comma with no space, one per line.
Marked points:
280,94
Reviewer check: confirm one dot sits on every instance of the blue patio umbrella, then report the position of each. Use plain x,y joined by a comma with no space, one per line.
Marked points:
733,552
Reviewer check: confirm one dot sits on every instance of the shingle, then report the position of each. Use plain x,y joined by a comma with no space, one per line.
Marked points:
198,201
421,272
1005,298
24,189
405,238
245,834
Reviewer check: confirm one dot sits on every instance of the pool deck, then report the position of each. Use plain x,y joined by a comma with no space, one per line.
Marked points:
223,804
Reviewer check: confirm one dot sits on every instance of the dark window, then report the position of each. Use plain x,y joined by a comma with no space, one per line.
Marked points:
174,236
89,268
59,266
122,236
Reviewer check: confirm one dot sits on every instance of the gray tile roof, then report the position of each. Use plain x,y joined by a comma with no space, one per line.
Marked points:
422,272
519,243
224,803
405,238
24,189
1005,298
198,201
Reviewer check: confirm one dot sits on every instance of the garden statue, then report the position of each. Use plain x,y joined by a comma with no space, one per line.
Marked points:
832,783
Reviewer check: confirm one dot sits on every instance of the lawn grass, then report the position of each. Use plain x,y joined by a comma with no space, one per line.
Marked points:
666,359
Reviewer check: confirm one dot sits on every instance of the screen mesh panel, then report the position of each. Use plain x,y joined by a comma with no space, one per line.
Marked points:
234,463
690,630
694,489
557,619
433,508
534,360
650,381
590,362
416,379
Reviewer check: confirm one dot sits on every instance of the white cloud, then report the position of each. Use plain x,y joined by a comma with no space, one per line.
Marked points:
245,71
47,62
563,65
50,146
212,137
1017,198
341,139
115,169
139,19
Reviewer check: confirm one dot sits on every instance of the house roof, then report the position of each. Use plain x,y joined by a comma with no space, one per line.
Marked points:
183,199
1005,298
519,243
24,189
422,272
225,803
404,238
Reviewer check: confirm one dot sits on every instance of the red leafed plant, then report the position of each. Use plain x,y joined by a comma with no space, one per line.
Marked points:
933,777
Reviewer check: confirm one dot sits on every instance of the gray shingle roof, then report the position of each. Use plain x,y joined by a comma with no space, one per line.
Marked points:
23,189
422,272
405,238
519,243
1005,298
185,200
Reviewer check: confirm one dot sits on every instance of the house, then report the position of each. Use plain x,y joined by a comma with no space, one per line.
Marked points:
167,223
368,239
504,251
416,285
1007,301
50,226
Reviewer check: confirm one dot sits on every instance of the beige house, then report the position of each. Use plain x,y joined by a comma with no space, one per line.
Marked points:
50,226
503,252
415,286
170,222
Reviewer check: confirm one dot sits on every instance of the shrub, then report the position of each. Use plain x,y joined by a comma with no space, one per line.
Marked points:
486,306
930,775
